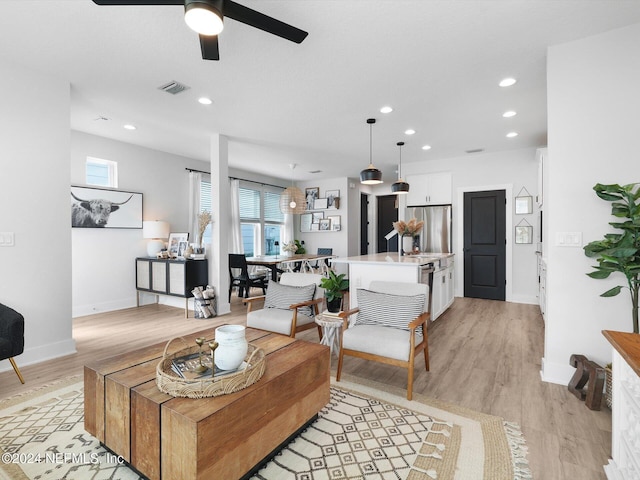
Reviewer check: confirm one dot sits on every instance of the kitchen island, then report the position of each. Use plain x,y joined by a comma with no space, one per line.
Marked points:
434,269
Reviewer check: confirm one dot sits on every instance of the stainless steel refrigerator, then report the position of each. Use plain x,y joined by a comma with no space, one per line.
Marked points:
435,236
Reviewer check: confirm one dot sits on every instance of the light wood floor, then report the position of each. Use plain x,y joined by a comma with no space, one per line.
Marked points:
485,355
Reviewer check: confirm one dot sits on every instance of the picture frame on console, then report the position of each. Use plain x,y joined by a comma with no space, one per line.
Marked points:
175,239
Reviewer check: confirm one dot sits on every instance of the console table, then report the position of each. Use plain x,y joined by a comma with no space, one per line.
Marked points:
170,277
625,403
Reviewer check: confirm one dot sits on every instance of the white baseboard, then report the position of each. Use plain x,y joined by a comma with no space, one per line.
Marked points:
41,354
528,299
556,372
83,310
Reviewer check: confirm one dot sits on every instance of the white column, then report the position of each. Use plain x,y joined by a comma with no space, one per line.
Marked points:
219,257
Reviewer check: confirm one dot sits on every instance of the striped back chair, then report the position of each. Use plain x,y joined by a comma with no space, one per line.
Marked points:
290,306
388,326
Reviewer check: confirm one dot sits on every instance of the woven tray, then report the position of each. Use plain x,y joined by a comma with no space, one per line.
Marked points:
170,383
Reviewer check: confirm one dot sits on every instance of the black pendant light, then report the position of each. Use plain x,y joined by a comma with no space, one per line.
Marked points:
400,187
370,175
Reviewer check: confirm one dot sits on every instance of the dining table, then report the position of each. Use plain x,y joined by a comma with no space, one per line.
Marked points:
288,261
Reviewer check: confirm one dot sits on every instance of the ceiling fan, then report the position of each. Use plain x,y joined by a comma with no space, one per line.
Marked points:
206,18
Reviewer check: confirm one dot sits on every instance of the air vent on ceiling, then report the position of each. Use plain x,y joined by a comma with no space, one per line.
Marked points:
475,150
174,87
315,171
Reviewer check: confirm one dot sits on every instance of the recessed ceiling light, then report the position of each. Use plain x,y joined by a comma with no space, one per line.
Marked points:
509,114
129,126
410,131
205,101
512,134
426,147
507,82
386,109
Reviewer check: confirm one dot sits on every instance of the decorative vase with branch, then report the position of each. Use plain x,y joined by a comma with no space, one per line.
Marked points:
408,231
620,252
204,219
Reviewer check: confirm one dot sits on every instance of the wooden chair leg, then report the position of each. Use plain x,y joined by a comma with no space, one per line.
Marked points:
15,368
426,355
339,371
410,378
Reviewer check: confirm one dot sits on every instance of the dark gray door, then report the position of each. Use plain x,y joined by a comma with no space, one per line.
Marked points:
364,224
387,214
485,244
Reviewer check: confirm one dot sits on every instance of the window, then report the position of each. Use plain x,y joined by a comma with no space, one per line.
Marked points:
261,221
205,204
100,172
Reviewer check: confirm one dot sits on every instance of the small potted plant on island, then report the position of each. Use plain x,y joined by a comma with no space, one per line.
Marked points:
334,288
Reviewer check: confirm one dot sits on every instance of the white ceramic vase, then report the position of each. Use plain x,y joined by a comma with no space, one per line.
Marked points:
407,244
232,346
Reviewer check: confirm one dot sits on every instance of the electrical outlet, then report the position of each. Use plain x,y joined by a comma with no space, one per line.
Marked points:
7,239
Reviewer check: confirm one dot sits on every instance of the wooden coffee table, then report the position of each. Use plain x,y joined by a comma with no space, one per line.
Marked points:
229,436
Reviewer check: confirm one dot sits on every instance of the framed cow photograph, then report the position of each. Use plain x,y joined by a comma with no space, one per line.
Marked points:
93,207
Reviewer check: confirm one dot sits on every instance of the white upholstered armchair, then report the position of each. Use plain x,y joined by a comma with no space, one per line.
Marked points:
389,326
290,306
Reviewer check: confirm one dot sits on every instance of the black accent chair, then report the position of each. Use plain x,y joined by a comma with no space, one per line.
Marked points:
244,281
11,336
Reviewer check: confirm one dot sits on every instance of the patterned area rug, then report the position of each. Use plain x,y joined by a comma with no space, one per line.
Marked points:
364,432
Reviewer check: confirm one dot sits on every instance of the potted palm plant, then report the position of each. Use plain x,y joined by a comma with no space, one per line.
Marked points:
334,288
620,252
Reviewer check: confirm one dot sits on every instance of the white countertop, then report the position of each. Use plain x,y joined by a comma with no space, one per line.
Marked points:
395,258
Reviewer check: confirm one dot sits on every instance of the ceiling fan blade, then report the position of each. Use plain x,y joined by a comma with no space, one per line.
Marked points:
263,22
209,47
139,2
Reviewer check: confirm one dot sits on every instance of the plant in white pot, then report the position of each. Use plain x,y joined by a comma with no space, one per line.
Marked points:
620,252
334,288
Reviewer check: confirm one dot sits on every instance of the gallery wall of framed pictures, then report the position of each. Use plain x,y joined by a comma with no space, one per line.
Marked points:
320,215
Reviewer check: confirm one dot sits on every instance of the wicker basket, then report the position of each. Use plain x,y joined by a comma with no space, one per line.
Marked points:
170,383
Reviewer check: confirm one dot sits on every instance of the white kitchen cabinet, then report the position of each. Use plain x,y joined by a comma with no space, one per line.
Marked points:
443,289
625,404
429,189
542,286
541,156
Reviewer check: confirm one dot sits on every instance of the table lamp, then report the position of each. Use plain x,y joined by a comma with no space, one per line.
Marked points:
156,230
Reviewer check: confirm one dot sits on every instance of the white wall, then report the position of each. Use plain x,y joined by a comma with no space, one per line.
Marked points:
103,259
35,278
593,106
338,240
512,169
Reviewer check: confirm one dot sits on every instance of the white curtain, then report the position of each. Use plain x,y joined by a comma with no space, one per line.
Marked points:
289,234
195,182
235,232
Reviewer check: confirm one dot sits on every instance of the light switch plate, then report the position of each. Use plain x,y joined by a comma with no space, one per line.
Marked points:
569,239
7,239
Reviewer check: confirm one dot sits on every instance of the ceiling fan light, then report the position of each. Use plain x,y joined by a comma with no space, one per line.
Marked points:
371,176
203,17
400,187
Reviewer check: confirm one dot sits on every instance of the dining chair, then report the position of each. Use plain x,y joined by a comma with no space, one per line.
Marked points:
244,280
323,265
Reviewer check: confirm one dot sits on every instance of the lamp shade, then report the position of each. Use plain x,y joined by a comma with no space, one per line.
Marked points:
155,229
400,187
204,16
371,176
292,200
